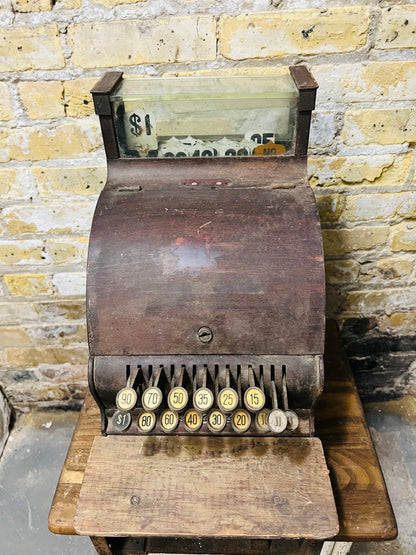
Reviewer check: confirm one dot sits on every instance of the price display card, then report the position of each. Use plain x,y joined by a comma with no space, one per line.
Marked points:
205,116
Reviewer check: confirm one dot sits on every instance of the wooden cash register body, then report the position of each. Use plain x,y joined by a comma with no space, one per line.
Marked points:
232,245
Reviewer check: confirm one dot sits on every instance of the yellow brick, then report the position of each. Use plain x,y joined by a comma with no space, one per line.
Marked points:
18,252
386,170
397,28
268,34
396,267
230,71
6,111
68,374
63,334
28,284
398,323
23,48
389,80
330,207
49,218
383,206
384,126
403,237
390,269
341,241
42,99
68,4
341,271
83,181
387,301
14,312
143,41
7,179
4,148
68,251
69,283
24,6
16,184
118,2
68,140
78,100
52,355
58,311
35,392
13,336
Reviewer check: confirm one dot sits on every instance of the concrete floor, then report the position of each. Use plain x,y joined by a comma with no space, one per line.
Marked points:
35,452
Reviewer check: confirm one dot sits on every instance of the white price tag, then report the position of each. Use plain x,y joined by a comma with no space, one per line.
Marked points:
174,148
260,137
226,147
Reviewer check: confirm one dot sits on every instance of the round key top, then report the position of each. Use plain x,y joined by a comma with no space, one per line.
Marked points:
193,420
291,416
203,399
216,421
277,421
262,420
254,399
169,420
121,420
152,398
146,421
177,398
227,399
241,421
126,399
292,420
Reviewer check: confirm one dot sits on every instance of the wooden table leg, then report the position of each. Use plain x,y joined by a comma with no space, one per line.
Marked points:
101,545
336,548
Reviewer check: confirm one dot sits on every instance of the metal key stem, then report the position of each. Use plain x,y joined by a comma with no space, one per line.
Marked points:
277,418
292,417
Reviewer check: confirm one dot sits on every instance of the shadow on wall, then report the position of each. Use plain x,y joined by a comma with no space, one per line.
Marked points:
5,417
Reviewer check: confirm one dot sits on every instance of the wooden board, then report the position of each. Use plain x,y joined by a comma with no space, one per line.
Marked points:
206,487
363,504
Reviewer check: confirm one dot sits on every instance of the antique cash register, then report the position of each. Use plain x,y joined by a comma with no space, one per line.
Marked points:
205,310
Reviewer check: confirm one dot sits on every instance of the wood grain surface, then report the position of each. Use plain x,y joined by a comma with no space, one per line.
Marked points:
363,503
206,487
361,497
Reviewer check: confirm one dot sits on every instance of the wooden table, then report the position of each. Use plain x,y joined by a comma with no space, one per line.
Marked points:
362,501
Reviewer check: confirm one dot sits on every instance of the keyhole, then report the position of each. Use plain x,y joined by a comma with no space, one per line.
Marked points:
205,334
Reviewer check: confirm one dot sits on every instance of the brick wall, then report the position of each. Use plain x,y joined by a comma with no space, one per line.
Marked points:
52,164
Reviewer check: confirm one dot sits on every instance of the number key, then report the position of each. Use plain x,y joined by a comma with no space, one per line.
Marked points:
254,399
227,399
193,420
216,421
126,399
146,421
241,421
203,399
121,420
169,420
262,420
152,398
177,398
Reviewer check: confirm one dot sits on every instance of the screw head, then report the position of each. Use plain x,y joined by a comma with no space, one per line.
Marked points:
135,500
205,334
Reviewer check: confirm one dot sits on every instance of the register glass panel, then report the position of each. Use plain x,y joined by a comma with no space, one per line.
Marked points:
205,116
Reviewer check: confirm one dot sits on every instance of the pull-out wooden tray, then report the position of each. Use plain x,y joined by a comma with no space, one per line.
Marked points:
206,486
